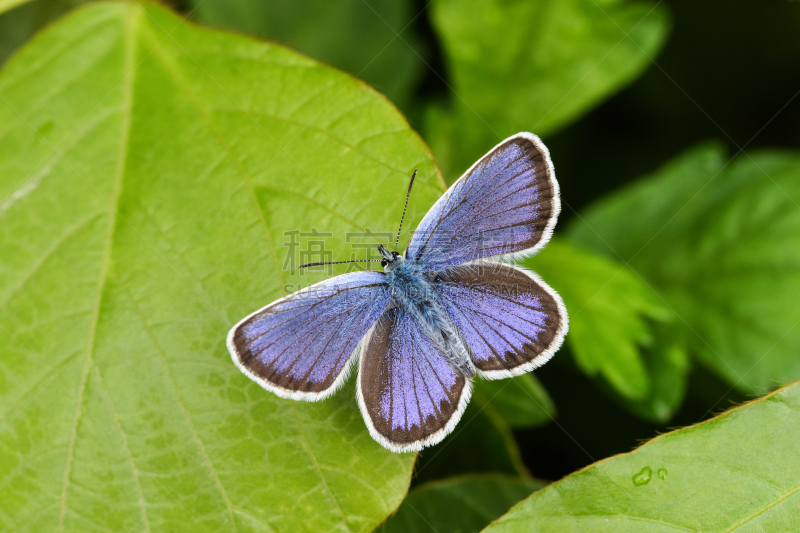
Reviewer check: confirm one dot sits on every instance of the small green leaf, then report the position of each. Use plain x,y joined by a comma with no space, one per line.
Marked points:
667,362
149,170
607,306
721,246
521,401
737,471
370,39
536,65
459,505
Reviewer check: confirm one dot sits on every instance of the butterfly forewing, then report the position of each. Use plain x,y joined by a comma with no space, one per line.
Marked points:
299,346
409,395
506,203
511,320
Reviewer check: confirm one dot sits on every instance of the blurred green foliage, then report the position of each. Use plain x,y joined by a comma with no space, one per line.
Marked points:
6,5
680,285
532,65
521,401
613,315
718,240
483,444
459,504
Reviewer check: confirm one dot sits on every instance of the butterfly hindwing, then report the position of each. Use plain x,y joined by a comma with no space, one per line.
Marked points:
506,203
409,395
299,346
510,319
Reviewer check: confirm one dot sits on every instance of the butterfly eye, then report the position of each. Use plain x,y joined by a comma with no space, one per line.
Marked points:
384,262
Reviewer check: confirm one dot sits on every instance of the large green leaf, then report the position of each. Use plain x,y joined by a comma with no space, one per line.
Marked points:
459,505
737,472
721,245
609,308
148,173
372,40
533,65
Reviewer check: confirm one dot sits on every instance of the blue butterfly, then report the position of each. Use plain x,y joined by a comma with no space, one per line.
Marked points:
449,309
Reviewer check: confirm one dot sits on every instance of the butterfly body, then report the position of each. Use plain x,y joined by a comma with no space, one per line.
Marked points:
413,290
439,315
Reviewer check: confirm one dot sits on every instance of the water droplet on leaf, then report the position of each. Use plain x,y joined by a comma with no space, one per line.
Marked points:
643,477
662,473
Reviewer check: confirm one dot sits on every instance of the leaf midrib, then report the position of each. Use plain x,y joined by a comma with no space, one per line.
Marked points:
129,35
769,505
129,456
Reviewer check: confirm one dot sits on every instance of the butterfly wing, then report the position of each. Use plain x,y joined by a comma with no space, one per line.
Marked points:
510,319
298,347
507,202
409,395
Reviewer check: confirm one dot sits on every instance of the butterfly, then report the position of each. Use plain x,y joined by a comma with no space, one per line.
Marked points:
451,308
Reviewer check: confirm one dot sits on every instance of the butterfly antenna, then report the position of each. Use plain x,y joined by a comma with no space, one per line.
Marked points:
339,262
408,195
